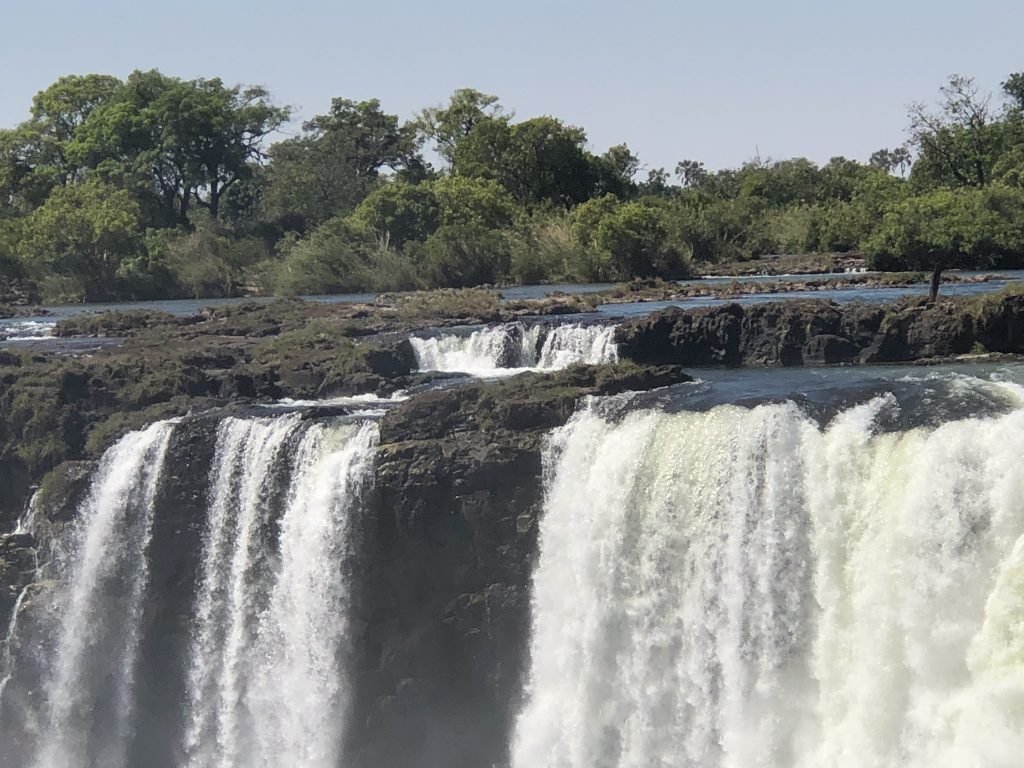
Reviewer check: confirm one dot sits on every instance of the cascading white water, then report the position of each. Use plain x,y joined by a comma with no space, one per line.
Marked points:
298,702
743,589
265,679
566,345
242,480
512,348
484,352
88,692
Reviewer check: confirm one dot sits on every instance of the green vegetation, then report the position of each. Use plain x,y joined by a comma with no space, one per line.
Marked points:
158,187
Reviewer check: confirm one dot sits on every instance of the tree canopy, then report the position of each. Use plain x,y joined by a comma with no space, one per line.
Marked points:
157,186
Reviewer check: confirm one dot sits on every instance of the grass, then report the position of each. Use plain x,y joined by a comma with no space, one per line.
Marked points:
447,303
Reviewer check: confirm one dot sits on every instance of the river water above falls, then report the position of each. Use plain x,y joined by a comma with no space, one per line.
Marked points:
39,329
761,569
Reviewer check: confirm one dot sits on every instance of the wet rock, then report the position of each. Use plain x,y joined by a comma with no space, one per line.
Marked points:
820,332
829,349
17,570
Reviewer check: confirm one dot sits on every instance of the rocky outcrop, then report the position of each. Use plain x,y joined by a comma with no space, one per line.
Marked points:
443,618
820,332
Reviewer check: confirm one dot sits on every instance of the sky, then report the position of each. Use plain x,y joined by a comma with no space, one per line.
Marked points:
720,81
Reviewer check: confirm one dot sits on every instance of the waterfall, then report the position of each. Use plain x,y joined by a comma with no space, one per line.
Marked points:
264,678
569,344
88,691
512,347
742,588
263,669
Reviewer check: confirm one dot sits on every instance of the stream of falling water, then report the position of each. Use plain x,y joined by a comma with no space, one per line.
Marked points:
88,691
265,677
741,588
265,667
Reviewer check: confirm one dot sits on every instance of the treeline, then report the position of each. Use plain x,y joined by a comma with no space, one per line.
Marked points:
157,187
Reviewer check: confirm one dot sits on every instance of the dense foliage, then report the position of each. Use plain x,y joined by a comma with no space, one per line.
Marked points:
159,187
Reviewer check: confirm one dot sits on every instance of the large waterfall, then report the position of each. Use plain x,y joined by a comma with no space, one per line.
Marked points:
513,347
831,582
742,588
265,666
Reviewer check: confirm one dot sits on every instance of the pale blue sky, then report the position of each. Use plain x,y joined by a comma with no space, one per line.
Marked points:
703,80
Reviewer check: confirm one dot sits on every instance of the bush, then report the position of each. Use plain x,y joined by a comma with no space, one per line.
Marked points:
636,238
549,250
338,259
462,256
209,262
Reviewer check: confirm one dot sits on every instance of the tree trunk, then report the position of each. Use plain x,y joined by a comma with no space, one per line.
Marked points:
933,289
215,193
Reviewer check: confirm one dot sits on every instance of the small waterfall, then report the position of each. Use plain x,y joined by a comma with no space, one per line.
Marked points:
743,589
483,352
264,678
88,691
566,345
513,347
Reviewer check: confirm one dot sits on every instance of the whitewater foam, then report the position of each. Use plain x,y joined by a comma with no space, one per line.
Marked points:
743,589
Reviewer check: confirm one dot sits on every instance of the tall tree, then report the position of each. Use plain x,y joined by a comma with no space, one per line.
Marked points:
188,141
958,144
947,228
337,162
447,125
540,160
691,173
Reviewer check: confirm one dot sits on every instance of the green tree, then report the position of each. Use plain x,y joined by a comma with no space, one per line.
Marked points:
336,163
46,140
691,173
187,141
479,202
959,144
883,160
538,161
84,232
399,212
636,236
949,228
657,183
448,125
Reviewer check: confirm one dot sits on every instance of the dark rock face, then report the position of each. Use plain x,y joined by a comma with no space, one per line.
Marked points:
820,332
17,570
443,605
175,549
